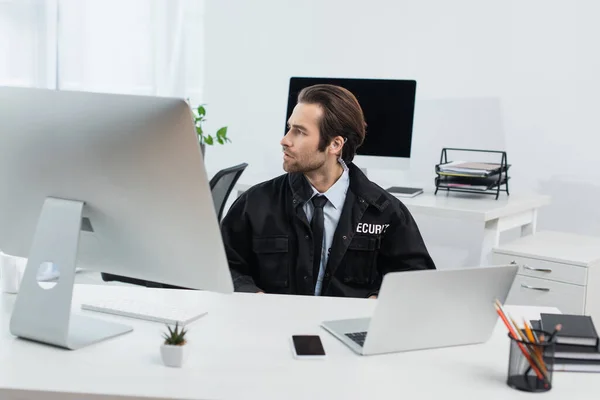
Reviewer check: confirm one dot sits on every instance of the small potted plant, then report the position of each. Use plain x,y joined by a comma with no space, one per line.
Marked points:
174,350
220,137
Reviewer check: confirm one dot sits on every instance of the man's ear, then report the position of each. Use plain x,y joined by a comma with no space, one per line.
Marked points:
336,145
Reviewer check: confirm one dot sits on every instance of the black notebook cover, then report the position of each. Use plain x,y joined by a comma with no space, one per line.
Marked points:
404,190
571,351
576,329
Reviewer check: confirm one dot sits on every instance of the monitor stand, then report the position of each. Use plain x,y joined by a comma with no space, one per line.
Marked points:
44,315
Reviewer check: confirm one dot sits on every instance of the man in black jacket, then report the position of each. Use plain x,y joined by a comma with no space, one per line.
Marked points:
323,228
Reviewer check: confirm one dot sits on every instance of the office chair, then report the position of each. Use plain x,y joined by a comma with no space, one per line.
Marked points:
221,186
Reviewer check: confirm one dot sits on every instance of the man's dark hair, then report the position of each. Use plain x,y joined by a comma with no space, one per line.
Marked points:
342,116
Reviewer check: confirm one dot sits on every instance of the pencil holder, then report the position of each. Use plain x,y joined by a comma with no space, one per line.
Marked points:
530,363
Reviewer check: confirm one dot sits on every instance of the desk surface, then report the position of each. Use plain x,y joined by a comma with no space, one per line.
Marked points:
241,350
472,206
469,206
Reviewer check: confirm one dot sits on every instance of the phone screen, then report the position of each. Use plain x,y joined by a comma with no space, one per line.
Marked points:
308,345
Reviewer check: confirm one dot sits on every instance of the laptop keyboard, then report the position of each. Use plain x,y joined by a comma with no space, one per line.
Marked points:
358,337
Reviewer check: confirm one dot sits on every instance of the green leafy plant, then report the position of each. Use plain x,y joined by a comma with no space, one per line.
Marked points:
175,337
199,117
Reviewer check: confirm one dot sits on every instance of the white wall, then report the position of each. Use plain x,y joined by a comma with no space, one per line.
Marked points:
534,65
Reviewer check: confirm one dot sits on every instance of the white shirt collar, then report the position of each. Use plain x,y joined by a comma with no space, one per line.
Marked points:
336,194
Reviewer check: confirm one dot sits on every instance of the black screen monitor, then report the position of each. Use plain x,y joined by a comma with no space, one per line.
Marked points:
388,106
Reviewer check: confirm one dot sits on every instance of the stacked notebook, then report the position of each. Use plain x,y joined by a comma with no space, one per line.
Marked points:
577,344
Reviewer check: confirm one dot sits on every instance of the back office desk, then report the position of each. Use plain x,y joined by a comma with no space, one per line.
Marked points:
241,350
494,216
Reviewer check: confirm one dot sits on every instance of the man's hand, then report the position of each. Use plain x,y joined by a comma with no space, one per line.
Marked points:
373,297
260,292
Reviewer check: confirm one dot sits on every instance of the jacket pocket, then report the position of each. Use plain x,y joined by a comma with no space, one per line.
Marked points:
361,257
272,254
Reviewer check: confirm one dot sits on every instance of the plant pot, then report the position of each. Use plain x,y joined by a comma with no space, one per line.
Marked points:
173,356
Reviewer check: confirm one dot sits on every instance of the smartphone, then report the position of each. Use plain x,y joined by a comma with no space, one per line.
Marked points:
307,346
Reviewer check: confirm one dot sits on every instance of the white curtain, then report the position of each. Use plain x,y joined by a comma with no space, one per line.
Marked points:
28,43
151,47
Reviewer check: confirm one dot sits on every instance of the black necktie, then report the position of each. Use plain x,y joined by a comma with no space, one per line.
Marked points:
317,225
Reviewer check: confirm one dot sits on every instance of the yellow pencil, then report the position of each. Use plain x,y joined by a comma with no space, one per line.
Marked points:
532,331
529,332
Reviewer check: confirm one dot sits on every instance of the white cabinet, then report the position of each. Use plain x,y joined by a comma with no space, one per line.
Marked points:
556,269
569,299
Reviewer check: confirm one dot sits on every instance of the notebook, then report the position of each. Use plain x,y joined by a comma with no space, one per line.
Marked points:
576,352
570,365
576,330
404,191
570,351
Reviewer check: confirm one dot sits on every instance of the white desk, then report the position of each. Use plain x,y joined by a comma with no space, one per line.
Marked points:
494,216
241,351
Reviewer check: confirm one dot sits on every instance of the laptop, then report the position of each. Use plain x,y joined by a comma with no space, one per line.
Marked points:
429,309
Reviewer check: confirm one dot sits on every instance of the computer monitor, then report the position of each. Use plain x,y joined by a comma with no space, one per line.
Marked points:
388,106
110,183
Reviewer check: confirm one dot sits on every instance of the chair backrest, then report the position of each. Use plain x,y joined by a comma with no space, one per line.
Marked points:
222,184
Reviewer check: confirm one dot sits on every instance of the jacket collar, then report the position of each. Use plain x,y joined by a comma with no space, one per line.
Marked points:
360,185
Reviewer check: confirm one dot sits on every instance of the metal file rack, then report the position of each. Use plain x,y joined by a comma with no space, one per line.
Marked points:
494,182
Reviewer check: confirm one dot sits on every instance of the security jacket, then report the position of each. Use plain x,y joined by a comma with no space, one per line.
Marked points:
269,244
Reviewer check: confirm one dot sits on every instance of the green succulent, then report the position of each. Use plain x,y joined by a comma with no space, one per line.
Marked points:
175,337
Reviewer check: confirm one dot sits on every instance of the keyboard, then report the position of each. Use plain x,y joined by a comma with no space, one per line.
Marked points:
148,311
358,337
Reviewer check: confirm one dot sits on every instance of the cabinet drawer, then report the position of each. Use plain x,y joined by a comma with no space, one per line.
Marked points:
528,291
545,269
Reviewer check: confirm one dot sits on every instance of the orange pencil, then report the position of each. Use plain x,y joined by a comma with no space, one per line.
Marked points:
521,347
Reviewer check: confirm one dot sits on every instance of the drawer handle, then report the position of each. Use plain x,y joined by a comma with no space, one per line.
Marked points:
541,289
537,269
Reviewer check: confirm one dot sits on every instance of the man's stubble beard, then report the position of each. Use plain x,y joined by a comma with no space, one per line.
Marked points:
303,167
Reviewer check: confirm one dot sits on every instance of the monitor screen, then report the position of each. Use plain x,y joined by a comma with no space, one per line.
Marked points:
388,106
